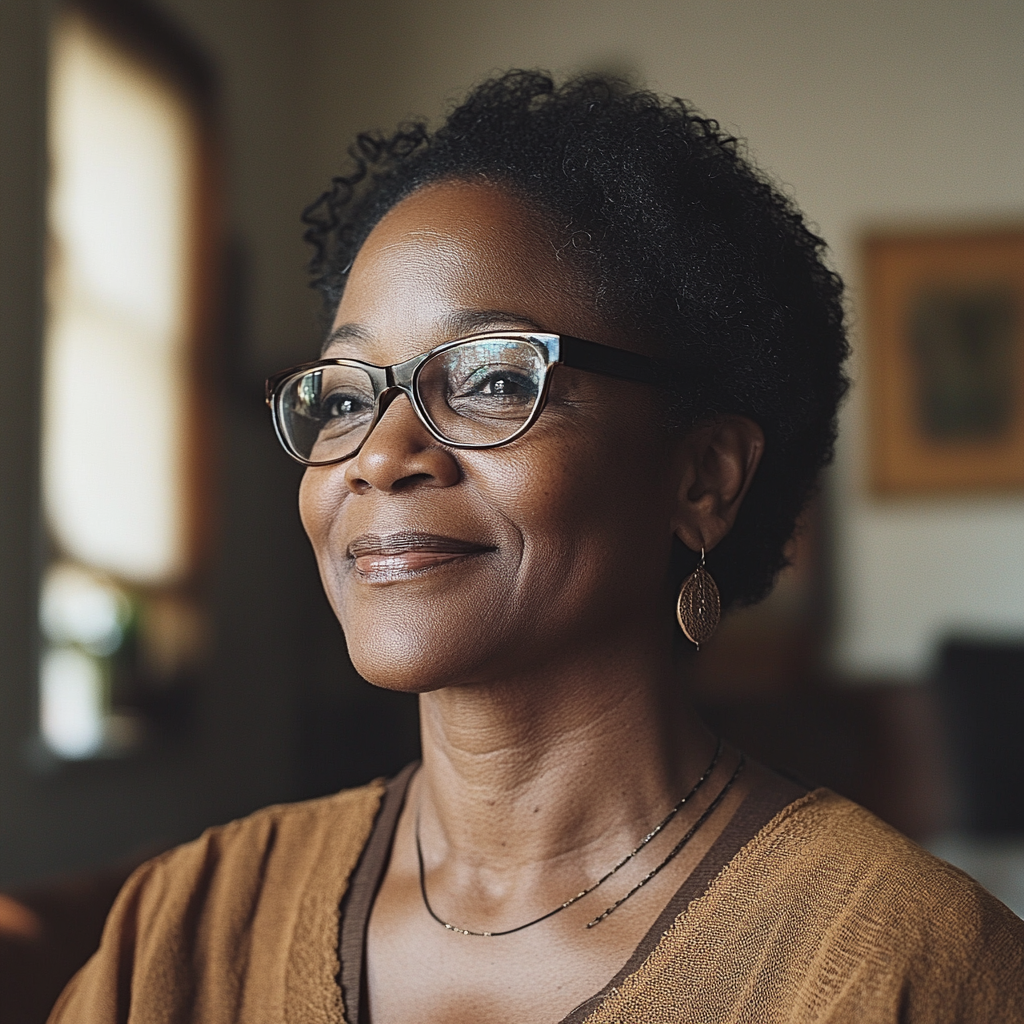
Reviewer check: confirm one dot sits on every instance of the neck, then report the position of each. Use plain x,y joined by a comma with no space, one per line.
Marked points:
539,767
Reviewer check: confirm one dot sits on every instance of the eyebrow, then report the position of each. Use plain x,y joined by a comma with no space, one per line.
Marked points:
457,323
346,332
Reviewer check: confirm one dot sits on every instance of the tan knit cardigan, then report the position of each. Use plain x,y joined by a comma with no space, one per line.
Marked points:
827,915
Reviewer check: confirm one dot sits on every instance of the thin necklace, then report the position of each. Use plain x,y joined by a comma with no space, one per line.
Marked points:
608,874
708,811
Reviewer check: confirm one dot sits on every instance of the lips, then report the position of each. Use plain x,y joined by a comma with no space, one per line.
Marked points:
400,555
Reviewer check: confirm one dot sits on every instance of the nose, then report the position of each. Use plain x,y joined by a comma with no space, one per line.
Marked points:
400,453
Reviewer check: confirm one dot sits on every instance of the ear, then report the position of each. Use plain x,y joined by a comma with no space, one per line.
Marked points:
718,464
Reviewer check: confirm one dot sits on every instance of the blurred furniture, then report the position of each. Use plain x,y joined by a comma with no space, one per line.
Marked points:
980,688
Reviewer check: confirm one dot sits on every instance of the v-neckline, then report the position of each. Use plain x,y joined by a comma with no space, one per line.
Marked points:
755,811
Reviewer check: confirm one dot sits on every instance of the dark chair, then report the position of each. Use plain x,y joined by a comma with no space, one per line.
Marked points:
980,689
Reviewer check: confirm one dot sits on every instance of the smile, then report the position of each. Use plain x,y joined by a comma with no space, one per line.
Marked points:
380,559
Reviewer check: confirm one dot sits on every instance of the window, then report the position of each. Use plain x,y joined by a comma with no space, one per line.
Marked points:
126,410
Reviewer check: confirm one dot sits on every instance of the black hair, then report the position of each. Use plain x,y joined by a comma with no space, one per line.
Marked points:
679,237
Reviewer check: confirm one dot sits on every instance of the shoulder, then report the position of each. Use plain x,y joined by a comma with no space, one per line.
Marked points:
828,914
246,914
279,844
825,839
271,857
875,913
282,831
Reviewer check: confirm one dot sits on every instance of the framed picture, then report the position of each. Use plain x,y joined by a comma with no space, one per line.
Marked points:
944,315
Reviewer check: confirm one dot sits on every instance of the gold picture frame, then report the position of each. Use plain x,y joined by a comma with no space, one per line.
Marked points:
944,319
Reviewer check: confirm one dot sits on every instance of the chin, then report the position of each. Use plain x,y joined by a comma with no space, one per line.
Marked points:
384,674
417,660
421,636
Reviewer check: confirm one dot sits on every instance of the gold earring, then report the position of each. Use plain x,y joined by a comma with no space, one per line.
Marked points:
699,606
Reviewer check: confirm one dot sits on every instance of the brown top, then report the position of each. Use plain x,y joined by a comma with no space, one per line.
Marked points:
757,809
825,915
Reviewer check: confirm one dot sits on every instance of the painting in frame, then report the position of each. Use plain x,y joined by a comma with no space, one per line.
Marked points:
944,319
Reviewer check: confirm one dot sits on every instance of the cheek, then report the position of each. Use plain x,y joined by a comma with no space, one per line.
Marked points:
594,528
311,505
321,494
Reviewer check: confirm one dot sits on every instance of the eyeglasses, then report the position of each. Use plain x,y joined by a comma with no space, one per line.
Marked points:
483,391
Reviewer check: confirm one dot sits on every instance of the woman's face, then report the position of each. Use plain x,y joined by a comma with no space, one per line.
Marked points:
453,567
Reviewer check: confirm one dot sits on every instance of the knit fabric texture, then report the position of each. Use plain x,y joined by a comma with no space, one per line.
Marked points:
830,916
240,925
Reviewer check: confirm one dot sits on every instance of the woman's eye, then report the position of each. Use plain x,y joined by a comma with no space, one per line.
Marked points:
504,384
342,406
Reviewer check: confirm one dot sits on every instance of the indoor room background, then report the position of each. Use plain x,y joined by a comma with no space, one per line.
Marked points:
882,119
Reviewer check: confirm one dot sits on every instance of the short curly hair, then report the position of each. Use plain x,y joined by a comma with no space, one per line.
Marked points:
678,235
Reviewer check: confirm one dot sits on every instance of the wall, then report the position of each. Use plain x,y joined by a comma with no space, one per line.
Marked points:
874,113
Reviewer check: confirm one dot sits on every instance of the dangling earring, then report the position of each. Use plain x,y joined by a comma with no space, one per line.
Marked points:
699,606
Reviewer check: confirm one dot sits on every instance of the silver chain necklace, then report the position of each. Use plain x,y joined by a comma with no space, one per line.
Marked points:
608,874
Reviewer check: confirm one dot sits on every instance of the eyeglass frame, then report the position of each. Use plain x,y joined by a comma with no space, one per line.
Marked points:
401,378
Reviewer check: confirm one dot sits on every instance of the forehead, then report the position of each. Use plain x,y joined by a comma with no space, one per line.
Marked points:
451,251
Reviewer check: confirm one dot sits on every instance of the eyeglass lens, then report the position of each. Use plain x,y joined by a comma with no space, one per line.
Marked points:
479,393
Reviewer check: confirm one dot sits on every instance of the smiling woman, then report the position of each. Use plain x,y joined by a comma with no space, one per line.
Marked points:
509,521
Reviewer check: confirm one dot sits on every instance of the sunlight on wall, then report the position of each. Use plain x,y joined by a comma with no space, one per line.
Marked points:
115,380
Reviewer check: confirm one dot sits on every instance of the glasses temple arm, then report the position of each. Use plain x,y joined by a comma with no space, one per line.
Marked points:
614,362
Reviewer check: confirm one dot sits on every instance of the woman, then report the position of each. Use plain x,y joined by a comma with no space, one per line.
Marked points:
582,372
